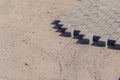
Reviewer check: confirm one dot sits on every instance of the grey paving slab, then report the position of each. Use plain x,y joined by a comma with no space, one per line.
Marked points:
102,41
112,28
92,20
87,38
112,39
117,44
117,31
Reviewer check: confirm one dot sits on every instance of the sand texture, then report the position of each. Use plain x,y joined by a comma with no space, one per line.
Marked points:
30,49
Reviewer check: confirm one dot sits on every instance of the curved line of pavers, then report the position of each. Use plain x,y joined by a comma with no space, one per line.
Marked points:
77,35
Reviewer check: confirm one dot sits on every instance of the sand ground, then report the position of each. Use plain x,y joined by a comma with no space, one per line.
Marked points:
31,50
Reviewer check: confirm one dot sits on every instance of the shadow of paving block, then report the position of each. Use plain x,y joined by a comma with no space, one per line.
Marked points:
111,41
87,38
119,78
117,44
58,26
55,22
96,38
66,34
76,34
102,41
62,30
97,35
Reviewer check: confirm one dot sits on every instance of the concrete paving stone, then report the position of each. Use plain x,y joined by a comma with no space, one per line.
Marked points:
84,11
106,28
117,44
86,2
74,10
69,31
97,20
96,28
82,32
115,25
92,25
117,11
108,24
112,39
94,22
87,38
88,22
112,28
115,16
97,35
68,13
102,41
110,31
117,20
117,31
94,18
100,31
83,27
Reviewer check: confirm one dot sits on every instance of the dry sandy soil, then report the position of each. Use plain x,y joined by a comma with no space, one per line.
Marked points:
31,50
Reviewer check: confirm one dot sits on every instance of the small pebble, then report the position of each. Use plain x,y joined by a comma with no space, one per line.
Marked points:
26,64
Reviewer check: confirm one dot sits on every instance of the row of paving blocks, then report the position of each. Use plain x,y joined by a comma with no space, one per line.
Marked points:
76,34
